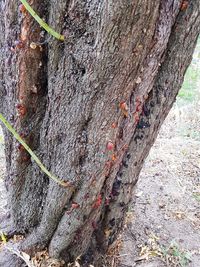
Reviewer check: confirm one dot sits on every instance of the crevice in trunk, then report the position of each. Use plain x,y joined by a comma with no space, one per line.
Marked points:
30,95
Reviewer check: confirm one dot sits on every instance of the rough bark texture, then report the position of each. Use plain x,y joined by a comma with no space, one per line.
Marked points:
111,83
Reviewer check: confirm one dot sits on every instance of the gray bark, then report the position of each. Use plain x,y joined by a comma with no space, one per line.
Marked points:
113,80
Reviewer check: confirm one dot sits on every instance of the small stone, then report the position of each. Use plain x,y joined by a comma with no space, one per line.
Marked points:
139,194
161,205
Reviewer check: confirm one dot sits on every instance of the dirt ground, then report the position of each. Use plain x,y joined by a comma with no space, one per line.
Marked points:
163,227
163,223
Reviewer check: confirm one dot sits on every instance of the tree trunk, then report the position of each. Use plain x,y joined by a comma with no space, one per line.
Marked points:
90,107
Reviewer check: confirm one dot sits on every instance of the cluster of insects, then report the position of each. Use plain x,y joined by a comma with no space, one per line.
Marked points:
110,147
184,5
21,110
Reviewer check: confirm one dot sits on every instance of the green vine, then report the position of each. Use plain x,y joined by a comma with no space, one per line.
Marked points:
34,157
41,22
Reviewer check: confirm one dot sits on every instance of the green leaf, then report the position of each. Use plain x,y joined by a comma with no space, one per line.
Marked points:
197,196
3,238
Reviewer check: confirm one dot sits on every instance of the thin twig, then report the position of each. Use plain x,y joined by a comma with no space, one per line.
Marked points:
43,24
20,255
34,157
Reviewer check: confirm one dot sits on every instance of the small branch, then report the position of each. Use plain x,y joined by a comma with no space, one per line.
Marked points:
34,157
25,257
43,24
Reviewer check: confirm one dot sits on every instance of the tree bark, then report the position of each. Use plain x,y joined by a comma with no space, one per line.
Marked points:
90,108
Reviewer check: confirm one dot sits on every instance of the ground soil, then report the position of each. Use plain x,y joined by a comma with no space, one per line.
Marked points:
163,227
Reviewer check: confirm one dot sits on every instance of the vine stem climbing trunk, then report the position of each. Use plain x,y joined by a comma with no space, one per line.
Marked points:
90,108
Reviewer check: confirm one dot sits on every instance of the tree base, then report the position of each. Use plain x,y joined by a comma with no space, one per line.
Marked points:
6,226
7,259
